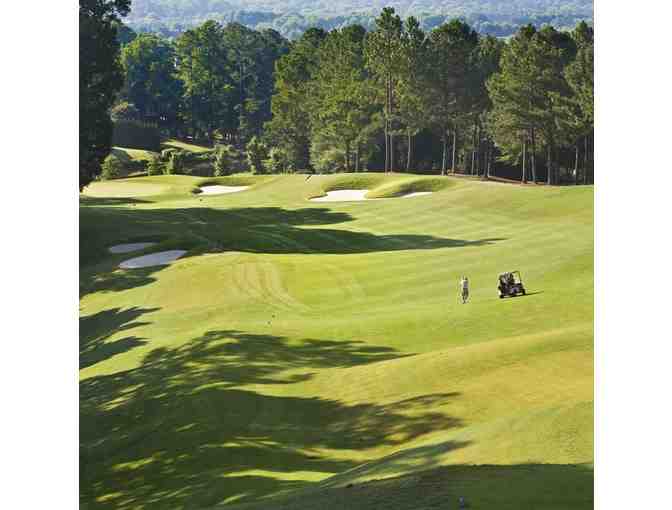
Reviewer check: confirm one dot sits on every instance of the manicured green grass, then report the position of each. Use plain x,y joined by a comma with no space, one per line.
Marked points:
379,185
404,186
244,179
125,154
315,355
177,144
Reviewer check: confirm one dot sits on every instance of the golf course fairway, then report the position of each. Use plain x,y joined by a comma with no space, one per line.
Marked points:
308,355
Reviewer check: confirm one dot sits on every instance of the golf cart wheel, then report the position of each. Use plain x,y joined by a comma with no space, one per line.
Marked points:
501,296
522,291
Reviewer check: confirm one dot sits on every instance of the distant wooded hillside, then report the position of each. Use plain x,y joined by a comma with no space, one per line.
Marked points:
291,18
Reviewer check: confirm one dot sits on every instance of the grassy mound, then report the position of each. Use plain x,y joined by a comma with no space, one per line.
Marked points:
405,186
236,180
380,185
190,147
127,155
321,184
305,355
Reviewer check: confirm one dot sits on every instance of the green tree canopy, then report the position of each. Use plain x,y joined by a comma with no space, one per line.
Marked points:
100,77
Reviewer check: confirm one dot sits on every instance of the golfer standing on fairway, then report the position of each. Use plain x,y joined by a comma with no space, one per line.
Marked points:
464,287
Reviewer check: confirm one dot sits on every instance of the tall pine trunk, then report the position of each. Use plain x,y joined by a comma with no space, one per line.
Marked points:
534,157
491,151
576,163
549,164
357,157
478,151
347,156
391,135
410,152
585,159
387,147
473,148
391,152
387,125
445,154
524,179
454,148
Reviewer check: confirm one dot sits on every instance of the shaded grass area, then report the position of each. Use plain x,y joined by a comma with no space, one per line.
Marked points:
271,230
197,432
516,487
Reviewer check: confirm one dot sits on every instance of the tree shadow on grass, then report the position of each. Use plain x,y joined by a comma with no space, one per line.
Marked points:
186,429
96,329
116,280
261,230
485,487
109,201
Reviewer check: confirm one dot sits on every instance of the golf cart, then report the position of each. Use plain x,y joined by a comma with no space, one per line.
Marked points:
510,285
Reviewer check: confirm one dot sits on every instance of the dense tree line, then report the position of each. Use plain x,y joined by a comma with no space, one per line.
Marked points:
213,82
392,98
100,77
345,97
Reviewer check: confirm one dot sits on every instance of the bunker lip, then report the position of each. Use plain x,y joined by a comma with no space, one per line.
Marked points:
342,195
416,194
356,195
129,247
153,259
218,189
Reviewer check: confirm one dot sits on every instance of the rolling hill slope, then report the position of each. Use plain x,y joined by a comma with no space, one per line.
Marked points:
315,355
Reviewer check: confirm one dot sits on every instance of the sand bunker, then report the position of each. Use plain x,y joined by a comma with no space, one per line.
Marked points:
153,259
417,194
351,195
342,195
129,247
217,189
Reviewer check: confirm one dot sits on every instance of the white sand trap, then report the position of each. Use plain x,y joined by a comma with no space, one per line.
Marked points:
342,195
417,194
153,259
129,247
216,189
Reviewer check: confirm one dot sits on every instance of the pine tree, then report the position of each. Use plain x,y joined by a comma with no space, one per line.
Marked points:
413,98
341,98
451,48
290,125
383,50
580,105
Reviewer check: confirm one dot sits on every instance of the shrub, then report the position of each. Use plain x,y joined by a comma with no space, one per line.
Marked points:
223,161
136,135
256,152
155,166
124,111
111,168
277,161
166,153
330,160
176,163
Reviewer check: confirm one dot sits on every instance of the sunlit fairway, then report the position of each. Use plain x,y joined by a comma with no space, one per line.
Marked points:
307,355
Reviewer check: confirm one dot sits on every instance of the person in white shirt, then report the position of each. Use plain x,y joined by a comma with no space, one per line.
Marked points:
464,287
